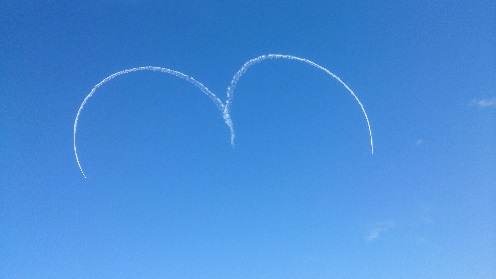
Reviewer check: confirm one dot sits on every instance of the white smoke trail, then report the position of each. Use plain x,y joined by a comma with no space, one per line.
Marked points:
202,87
253,61
224,108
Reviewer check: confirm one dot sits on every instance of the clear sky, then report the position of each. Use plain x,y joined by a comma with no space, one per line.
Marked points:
300,195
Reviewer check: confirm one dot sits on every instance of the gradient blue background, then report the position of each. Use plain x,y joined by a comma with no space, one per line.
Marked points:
300,195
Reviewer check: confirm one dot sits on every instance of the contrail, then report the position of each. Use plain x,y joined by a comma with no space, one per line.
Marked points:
224,108
253,61
202,87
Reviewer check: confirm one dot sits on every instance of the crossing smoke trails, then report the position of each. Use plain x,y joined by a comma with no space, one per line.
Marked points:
224,108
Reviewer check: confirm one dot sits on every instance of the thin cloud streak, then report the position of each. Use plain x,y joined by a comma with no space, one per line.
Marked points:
485,103
378,230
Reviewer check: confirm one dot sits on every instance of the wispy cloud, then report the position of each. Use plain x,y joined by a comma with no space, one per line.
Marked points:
484,103
421,239
378,230
414,229
426,220
419,141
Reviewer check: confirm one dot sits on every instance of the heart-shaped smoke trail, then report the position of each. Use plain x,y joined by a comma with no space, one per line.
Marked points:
224,108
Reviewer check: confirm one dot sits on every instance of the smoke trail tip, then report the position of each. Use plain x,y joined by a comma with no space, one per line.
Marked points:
84,175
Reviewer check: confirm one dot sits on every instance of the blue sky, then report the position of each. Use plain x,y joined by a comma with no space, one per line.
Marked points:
300,195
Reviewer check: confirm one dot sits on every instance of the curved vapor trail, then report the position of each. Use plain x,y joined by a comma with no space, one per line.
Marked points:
224,108
258,59
178,74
